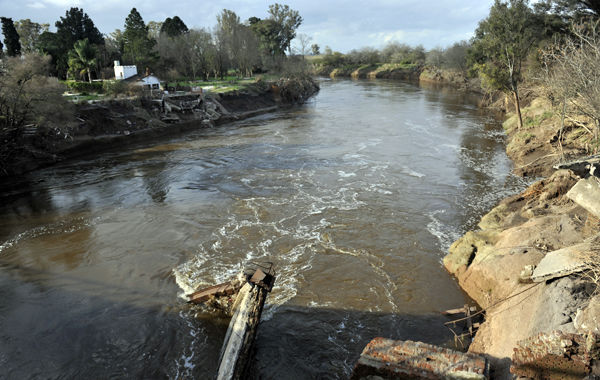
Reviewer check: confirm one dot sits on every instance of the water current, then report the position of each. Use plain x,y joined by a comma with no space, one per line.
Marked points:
354,196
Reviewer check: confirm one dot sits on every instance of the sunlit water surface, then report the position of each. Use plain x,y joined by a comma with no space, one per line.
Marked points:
355,197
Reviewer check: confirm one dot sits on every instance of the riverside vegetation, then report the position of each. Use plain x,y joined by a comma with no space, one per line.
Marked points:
41,124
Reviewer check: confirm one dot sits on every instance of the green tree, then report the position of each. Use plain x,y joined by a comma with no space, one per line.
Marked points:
137,44
48,43
173,27
455,57
1,47
230,34
268,33
11,37
29,33
75,26
315,49
82,59
502,43
574,10
287,20
276,33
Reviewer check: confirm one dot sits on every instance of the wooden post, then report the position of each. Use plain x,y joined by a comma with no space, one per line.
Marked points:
469,321
247,309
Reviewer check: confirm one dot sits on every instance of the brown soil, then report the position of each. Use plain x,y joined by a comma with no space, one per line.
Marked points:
111,124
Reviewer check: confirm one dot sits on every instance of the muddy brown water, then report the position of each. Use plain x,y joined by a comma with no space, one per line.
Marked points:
355,197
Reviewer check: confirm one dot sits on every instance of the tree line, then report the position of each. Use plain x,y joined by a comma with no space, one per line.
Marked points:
551,42
78,50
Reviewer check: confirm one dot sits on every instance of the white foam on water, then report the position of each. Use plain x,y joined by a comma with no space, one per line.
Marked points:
184,366
443,233
379,188
408,171
343,174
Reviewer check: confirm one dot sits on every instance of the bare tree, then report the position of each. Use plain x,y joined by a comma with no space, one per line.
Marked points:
303,44
573,72
27,93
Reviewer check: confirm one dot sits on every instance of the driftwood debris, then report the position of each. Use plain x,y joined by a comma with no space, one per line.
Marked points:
583,167
252,291
470,313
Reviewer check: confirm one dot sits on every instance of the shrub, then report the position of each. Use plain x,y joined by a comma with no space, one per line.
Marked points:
114,87
85,87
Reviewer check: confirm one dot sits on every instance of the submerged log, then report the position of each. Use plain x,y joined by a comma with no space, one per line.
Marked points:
247,309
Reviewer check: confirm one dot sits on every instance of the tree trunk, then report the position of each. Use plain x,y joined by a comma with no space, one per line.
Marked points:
89,73
518,108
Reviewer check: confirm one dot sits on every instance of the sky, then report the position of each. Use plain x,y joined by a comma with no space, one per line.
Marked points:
341,25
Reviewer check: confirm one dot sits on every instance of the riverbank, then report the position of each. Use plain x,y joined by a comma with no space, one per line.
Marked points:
405,72
496,263
112,124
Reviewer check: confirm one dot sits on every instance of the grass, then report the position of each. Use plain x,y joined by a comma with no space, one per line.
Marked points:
76,98
526,136
228,83
529,122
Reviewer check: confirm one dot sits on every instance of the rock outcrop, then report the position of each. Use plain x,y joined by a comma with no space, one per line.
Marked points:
495,265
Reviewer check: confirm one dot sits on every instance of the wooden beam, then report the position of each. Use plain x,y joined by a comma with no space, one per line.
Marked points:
202,295
240,335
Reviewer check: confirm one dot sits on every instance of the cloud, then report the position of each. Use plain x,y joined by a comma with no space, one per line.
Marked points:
341,24
36,5
63,3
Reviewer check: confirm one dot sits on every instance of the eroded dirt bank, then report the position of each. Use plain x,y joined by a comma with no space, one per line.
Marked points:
111,124
496,264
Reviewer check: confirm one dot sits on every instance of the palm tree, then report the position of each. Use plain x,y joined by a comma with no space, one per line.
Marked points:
82,58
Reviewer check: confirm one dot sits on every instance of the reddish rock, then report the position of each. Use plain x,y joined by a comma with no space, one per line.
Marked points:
555,355
396,359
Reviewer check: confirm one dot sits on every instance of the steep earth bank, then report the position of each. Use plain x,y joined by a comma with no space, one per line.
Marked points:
407,72
111,124
379,71
497,263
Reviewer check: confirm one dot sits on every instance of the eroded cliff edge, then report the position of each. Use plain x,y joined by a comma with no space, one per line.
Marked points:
496,264
112,124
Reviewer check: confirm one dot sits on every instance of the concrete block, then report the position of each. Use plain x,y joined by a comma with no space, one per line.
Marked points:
586,193
560,263
395,359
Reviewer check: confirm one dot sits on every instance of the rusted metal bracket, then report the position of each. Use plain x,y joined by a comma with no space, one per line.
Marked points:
263,278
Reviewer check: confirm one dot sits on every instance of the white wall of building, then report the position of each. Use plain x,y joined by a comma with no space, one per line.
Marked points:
151,81
124,72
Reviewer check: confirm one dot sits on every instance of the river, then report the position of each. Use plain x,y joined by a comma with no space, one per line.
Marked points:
354,196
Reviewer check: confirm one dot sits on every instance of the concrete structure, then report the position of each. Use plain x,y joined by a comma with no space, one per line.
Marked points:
586,193
124,72
395,359
562,262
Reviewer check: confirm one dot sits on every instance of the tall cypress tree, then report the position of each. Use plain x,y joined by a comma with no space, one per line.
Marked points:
11,37
173,27
137,44
76,26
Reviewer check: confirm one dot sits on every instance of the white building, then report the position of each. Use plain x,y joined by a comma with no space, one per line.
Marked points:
124,72
150,82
